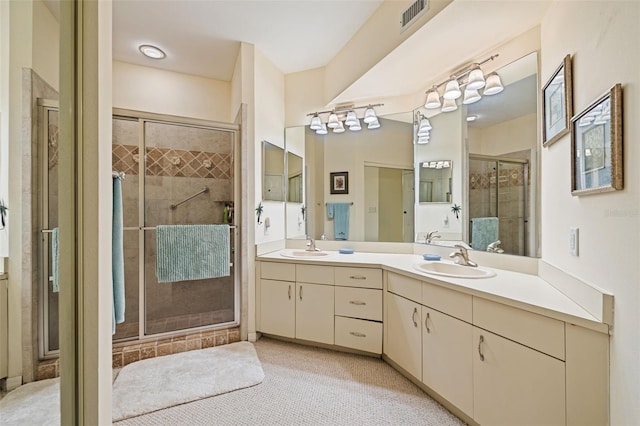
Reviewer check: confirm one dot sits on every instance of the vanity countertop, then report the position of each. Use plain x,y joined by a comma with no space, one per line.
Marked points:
523,291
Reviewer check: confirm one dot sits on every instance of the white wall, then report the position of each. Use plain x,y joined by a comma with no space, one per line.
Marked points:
514,135
445,144
269,126
165,92
603,38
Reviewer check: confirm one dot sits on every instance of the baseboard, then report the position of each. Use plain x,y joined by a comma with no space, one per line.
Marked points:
13,383
252,337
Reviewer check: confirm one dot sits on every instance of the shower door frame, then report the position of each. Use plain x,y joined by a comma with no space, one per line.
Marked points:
147,117
45,105
525,205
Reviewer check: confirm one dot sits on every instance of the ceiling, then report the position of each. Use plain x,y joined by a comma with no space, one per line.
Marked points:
203,37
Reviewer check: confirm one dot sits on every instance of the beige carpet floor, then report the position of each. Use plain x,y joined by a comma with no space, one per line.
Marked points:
311,386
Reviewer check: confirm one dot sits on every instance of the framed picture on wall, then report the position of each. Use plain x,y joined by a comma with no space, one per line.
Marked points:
596,145
339,182
557,102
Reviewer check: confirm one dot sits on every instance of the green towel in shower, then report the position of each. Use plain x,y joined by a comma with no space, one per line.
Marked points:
484,231
117,256
192,252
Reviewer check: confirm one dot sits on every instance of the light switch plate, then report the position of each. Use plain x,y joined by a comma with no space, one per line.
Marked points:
573,241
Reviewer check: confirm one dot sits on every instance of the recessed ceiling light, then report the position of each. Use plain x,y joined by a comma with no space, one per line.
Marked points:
472,117
152,52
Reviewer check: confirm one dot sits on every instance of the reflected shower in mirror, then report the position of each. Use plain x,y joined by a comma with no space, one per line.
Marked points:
435,181
272,172
294,178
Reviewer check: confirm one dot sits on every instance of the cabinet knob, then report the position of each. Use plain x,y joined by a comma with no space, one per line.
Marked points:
480,347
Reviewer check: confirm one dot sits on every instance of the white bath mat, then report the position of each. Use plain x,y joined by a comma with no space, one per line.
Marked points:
36,403
162,382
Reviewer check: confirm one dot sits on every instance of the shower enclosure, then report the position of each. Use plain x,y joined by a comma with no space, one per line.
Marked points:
498,187
186,175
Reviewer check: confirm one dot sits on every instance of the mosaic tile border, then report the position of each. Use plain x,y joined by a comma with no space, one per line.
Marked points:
173,162
127,352
487,179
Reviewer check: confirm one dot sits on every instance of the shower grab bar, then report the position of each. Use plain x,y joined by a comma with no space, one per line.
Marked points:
204,190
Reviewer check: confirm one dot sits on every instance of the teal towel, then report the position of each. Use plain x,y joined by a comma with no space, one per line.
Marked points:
117,256
192,252
339,212
484,231
55,253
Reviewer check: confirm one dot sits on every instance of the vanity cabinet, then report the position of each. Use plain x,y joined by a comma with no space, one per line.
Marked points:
314,317
447,351
513,384
498,365
332,305
403,333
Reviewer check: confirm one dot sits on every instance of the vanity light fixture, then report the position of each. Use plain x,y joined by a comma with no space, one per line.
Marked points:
152,52
422,128
345,116
469,79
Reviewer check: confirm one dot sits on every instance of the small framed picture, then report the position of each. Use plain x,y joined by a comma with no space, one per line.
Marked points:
596,145
339,182
557,102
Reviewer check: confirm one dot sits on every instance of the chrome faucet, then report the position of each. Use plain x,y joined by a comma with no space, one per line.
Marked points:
494,247
462,256
311,244
430,236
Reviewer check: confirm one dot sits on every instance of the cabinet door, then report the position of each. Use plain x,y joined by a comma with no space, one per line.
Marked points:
403,329
314,312
277,308
447,351
516,385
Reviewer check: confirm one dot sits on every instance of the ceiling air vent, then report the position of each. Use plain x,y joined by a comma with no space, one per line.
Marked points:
416,9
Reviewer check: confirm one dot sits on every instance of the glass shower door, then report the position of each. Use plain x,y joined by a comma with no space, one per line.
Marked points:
180,162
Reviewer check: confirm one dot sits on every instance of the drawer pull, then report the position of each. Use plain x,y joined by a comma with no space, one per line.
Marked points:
480,347
413,317
289,291
357,334
357,277
426,323
300,293
357,302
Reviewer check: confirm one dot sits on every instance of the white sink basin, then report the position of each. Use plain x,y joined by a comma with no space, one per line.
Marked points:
304,254
453,270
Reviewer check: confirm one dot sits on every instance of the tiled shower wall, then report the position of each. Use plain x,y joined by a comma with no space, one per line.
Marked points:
180,161
482,199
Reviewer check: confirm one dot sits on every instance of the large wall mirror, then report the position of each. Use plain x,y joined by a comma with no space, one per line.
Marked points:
272,172
493,161
496,191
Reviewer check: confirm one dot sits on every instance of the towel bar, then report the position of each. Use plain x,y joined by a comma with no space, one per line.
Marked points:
204,190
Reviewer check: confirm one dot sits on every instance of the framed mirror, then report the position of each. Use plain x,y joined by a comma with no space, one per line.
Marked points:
434,185
273,175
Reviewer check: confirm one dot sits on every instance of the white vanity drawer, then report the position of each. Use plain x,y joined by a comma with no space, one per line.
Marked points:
314,274
404,286
278,271
362,303
535,331
359,334
451,302
359,277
